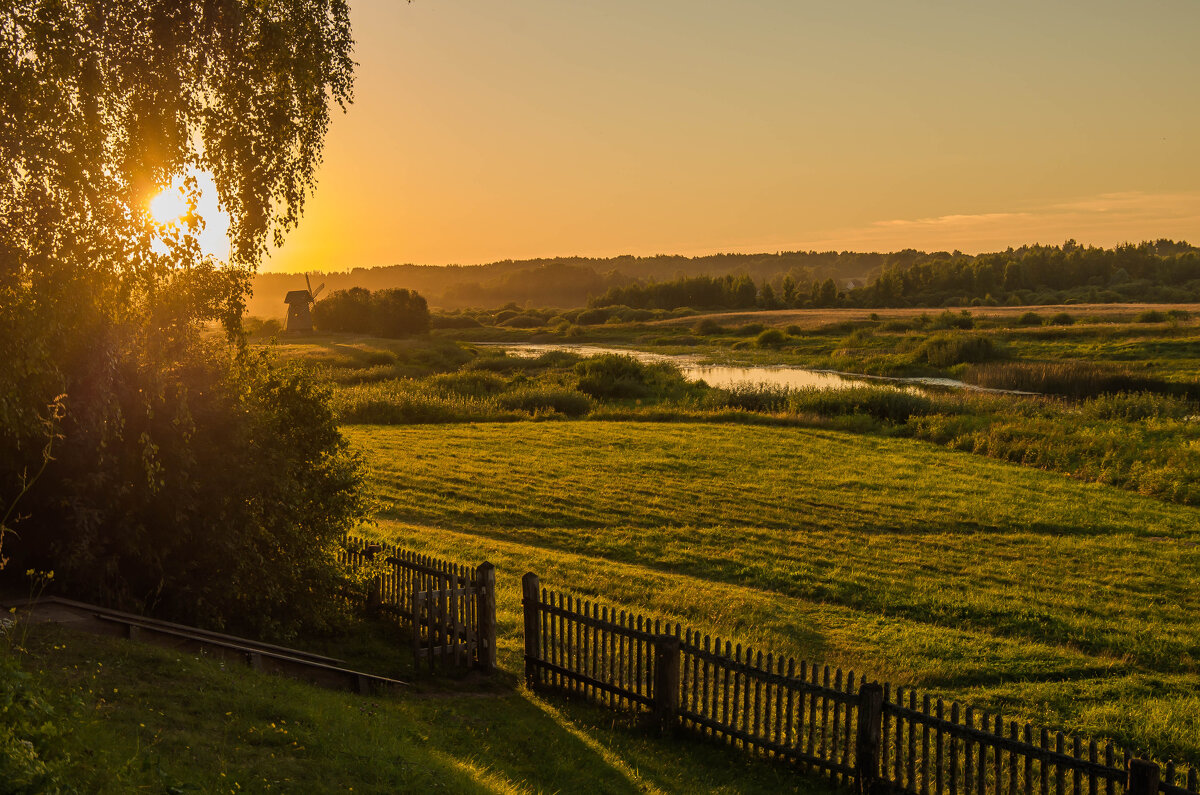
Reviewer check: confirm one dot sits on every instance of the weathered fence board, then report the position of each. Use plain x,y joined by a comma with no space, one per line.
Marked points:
881,738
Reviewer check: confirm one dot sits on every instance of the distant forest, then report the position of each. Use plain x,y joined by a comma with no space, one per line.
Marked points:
1162,271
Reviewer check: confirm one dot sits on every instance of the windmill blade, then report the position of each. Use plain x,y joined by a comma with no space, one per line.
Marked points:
308,284
316,292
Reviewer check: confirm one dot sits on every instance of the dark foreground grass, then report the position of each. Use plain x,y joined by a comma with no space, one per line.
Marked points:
1066,603
147,719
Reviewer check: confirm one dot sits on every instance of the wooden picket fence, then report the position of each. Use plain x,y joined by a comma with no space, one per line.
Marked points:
449,608
879,738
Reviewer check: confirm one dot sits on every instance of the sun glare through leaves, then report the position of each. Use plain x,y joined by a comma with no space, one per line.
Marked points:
194,200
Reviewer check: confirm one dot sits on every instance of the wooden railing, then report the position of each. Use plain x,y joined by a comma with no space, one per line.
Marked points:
881,739
449,608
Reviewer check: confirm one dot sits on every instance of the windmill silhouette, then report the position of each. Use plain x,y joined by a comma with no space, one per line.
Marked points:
299,316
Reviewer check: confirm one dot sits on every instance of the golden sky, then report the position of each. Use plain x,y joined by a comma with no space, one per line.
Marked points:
488,129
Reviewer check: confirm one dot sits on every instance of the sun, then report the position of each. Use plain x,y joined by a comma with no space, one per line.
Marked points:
169,206
206,219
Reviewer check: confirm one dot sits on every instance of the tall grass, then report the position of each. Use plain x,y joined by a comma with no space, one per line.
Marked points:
949,349
881,402
1074,379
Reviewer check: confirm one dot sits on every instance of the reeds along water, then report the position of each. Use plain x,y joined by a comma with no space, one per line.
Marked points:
1067,379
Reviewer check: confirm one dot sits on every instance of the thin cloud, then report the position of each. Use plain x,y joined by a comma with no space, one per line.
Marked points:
1104,219
949,220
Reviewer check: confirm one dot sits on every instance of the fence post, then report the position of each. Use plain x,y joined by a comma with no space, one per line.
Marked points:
531,600
1142,778
485,610
375,594
870,727
666,681
418,602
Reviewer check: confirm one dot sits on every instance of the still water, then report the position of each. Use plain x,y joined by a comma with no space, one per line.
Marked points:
727,376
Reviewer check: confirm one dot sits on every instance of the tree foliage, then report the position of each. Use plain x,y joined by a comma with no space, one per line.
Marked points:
191,476
392,313
1163,270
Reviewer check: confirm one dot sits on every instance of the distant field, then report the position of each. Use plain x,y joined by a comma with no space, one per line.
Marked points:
811,318
1067,603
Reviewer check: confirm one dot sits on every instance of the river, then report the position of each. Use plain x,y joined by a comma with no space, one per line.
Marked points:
729,376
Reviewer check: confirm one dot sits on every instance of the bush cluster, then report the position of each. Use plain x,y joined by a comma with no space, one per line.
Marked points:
383,313
947,350
621,377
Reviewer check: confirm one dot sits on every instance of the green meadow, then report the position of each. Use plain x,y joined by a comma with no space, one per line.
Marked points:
1066,603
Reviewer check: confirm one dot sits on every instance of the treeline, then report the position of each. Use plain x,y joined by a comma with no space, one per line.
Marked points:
565,282
384,313
1162,271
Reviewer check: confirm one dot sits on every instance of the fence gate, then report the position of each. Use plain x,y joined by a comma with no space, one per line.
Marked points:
448,609
445,626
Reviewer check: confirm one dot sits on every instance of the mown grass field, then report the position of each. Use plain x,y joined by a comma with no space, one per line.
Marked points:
1066,603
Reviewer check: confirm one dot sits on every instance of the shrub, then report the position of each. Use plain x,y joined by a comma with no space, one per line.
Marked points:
861,336
946,350
794,330
522,321
592,317
770,338
471,383
567,402
950,320
257,327
1151,316
1179,314
216,471
1030,319
709,327
624,377
1062,319
749,329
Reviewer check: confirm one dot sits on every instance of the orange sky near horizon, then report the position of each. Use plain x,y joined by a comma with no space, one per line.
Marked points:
532,128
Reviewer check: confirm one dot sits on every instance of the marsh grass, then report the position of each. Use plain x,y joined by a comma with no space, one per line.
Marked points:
948,349
1068,378
879,402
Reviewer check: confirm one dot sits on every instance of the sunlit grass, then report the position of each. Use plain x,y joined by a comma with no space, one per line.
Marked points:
1004,586
145,718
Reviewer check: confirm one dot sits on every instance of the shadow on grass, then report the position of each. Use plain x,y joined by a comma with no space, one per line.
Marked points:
140,716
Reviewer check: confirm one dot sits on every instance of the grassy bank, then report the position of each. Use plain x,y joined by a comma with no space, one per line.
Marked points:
140,718
1057,601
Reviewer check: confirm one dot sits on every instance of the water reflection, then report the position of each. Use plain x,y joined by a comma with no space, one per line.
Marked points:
728,377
